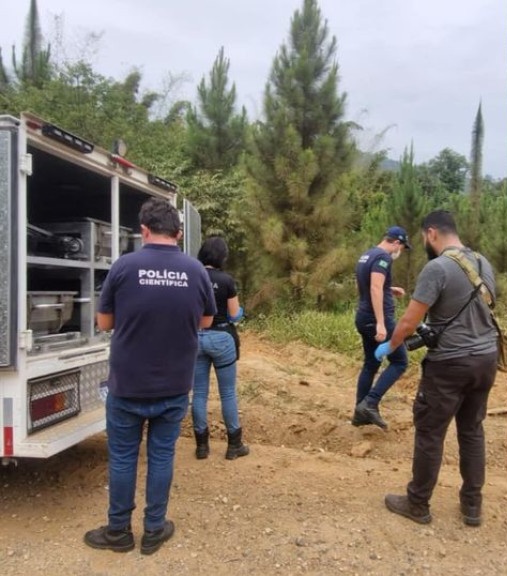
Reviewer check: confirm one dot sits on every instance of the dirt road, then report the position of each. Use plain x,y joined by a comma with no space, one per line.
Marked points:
308,500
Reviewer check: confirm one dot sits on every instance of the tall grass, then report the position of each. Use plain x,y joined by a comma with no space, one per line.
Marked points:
333,331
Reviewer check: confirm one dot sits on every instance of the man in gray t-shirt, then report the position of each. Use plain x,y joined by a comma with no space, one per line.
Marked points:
445,288
457,372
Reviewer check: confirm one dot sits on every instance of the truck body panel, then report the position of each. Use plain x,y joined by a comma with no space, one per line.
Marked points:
68,209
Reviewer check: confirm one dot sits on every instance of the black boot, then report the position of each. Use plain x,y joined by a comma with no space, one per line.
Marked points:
401,505
369,414
235,447
202,441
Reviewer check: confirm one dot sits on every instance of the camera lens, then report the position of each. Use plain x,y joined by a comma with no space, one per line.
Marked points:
414,342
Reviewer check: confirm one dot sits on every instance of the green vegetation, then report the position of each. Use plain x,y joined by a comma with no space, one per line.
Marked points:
326,330
294,167
291,191
215,133
332,331
34,68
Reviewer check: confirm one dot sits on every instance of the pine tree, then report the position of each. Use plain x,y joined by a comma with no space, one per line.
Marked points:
4,78
494,237
35,66
407,206
216,134
296,208
476,179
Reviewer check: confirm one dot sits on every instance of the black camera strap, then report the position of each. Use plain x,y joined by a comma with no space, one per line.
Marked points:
451,320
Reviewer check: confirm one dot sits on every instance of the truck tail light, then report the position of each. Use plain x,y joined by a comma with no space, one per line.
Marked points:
8,417
53,398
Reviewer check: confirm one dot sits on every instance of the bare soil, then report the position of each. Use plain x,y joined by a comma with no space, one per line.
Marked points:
307,500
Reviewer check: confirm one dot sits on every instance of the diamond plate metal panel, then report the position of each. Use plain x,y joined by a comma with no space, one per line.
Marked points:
191,229
5,249
91,377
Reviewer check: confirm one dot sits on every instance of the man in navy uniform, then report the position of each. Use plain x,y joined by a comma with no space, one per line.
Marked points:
156,299
375,323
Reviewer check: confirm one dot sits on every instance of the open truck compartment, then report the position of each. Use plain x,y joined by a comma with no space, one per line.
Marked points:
68,210
70,247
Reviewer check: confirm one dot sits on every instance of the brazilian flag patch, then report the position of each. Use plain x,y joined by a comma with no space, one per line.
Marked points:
383,263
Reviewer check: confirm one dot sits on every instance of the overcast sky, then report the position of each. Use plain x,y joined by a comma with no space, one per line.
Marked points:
418,68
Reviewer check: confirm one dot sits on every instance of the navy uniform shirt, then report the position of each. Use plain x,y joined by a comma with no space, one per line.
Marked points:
374,260
224,288
158,296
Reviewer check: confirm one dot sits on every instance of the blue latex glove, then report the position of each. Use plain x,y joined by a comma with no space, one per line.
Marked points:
238,316
383,350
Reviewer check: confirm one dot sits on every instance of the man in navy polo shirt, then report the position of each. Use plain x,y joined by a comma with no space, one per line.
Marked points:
156,299
375,323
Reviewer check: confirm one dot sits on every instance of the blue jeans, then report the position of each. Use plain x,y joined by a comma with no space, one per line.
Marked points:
216,348
126,418
398,361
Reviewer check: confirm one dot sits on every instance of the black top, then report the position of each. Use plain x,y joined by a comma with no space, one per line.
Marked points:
224,288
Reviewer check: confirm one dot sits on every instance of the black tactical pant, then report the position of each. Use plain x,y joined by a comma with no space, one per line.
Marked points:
456,388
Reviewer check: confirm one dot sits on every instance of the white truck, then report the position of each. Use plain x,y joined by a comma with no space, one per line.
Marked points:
68,209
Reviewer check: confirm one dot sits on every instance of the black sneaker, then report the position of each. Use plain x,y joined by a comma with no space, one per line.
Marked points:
153,540
370,414
105,539
471,514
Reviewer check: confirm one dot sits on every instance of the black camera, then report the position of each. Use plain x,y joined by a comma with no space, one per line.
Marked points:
424,336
